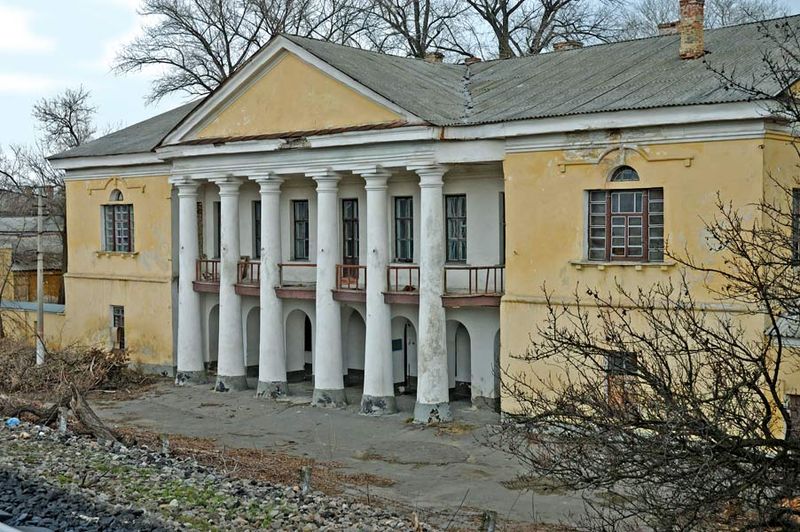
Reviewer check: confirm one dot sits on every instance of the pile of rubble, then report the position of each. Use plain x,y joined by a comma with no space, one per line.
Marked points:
60,480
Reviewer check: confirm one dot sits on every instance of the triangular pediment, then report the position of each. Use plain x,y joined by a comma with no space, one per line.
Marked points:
285,91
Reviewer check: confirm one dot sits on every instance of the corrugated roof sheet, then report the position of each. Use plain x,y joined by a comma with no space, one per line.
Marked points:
141,137
639,74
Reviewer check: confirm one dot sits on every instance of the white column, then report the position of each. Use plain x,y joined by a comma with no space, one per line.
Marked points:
328,379
191,366
271,348
230,361
432,383
378,395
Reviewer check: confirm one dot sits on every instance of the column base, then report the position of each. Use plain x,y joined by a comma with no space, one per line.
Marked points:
230,384
378,406
432,413
190,377
271,390
329,398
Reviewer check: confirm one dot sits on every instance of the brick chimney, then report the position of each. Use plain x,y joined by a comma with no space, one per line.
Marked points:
567,45
691,28
668,28
434,57
472,60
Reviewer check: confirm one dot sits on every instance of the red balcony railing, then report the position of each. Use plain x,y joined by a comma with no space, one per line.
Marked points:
351,277
480,280
402,278
296,274
249,272
207,271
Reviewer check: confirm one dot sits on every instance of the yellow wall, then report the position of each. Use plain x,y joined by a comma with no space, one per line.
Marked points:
139,281
545,217
295,96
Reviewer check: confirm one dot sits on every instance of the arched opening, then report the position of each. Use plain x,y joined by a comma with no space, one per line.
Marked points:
299,346
116,195
404,355
354,340
624,173
459,359
253,334
213,335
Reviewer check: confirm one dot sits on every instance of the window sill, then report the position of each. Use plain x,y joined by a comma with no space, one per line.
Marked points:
123,254
602,265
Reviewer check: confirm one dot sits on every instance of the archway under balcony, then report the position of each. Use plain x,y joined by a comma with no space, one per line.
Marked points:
299,337
213,335
252,338
459,359
404,355
354,337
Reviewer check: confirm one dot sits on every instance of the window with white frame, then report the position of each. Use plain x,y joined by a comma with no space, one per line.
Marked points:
117,224
404,228
456,227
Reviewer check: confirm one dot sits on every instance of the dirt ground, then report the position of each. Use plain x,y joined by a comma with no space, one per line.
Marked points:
437,469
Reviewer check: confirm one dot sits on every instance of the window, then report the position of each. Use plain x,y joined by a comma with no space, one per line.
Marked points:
217,229
300,226
796,226
793,407
404,229
626,225
118,228
625,173
621,370
456,220
118,327
257,229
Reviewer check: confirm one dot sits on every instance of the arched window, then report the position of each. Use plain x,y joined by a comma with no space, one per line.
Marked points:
625,173
116,195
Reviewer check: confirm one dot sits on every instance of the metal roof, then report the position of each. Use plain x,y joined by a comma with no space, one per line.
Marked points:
638,74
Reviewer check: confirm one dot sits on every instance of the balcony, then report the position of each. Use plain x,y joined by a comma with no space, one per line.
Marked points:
297,280
248,278
351,283
206,275
464,286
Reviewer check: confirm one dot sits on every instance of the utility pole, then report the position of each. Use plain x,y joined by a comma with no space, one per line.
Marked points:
40,351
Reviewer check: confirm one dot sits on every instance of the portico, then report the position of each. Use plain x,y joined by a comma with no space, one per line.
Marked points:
274,281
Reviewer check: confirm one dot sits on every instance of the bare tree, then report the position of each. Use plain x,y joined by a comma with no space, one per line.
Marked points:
198,43
642,17
670,412
526,27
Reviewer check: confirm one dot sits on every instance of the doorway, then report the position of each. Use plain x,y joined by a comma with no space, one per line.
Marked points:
350,238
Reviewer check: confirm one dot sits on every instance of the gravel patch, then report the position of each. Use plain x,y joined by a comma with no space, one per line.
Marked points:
70,482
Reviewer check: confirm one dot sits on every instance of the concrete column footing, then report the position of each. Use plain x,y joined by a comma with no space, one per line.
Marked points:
271,390
230,383
432,413
378,406
329,398
190,377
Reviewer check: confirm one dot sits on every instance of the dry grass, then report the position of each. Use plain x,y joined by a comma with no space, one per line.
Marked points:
257,464
89,369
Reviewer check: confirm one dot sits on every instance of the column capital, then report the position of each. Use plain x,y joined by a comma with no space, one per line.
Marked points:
269,183
186,185
327,179
375,176
430,175
228,185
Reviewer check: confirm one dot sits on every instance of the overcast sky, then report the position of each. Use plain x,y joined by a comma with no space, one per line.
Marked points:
48,45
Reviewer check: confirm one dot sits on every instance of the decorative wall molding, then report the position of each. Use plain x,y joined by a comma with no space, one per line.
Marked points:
623,149
94,186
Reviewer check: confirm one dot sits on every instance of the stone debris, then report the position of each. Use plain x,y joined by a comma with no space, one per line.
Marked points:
62,481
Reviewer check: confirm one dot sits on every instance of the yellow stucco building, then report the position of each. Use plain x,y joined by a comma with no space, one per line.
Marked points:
236,234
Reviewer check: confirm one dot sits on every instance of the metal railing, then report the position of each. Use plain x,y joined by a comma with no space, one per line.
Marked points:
285,267
402,278
207,270
249,272
351,277
481,280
